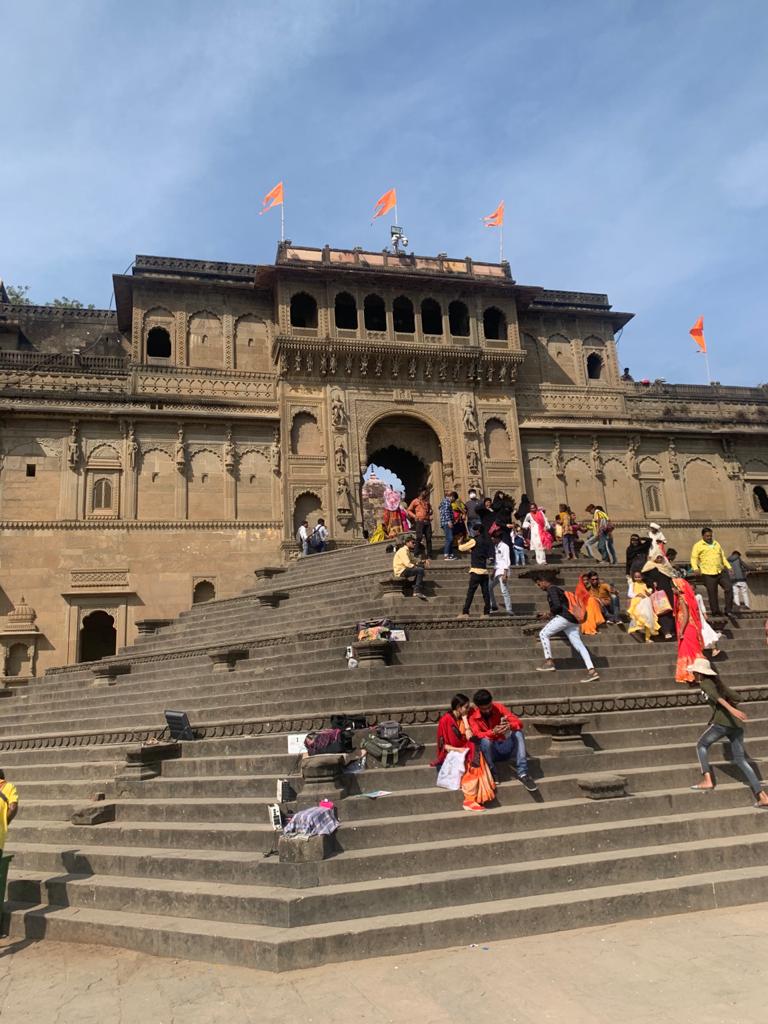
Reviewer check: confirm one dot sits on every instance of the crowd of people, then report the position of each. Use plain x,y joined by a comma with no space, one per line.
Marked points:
662,605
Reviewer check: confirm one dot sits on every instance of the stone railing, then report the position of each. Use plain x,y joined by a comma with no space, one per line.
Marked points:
69,361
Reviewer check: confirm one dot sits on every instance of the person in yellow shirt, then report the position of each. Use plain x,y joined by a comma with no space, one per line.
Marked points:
9,805
404,565
708,559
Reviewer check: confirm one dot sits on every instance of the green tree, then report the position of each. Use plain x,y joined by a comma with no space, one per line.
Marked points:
65,303
18,294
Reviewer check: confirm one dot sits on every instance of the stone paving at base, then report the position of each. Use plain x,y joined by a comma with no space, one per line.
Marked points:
701,968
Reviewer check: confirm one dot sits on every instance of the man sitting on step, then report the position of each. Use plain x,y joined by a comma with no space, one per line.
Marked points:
499,733
404,566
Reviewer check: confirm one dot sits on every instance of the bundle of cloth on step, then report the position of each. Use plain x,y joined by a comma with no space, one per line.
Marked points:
313,821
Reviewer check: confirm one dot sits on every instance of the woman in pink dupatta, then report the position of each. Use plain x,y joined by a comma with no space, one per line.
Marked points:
540,537
690,643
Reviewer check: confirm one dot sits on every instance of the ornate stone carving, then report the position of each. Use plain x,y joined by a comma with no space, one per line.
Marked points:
558,462
343,497
378,366
230,451
473,461
180,450
597,459
340,457
364,364
338,411
674,462
73,447
134,449
469,419
632,449
412,367
732,465
274,455
80,579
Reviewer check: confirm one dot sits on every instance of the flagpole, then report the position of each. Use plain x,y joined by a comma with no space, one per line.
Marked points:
706,363
282,221
501,243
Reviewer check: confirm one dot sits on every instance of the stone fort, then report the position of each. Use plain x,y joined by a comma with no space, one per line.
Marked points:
151,457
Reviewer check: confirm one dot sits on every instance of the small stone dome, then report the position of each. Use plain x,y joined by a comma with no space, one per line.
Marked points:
22,616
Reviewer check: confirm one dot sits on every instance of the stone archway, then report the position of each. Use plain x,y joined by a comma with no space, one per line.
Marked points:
98,636
411,449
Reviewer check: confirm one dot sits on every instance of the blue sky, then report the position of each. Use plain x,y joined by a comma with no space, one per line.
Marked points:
628,139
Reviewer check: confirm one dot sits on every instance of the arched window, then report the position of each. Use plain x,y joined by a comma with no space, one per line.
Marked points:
496,438
305,435
431,317
102,495
594,366
158,343
303,310
402,316
204,591
760,499
494,324
652,498
458,319
345,311
375,313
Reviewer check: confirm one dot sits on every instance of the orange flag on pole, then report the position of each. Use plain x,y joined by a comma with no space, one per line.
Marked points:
495,219
697,333
273,198
386,203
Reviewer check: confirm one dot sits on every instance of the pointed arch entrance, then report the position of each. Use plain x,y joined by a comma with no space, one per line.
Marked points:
410,449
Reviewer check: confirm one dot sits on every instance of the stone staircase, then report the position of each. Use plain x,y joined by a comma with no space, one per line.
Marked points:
186,866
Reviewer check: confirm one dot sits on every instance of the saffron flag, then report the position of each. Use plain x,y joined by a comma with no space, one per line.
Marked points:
387,202
495,219
697,333
273,198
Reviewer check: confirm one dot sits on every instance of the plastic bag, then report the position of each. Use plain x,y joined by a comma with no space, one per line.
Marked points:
452,769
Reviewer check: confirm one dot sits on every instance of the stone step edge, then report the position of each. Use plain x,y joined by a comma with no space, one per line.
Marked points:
364,854
310,945
658,700
391,884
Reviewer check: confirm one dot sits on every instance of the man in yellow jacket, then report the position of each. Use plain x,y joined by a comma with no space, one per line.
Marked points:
708,558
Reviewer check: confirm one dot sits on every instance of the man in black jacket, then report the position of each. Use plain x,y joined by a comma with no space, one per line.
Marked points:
561,620
480,548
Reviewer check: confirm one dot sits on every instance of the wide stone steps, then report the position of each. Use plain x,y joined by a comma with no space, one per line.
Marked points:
185,868
305,946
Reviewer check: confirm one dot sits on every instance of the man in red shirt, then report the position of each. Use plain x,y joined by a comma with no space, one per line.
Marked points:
420,511
499,733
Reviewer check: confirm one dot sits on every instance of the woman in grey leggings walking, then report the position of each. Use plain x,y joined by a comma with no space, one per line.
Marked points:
725,724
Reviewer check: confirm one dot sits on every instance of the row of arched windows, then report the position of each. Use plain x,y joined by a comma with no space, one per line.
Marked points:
304,315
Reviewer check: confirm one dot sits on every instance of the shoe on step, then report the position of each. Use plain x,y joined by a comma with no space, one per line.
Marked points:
545,668
463,615
590,676
528,782
472,805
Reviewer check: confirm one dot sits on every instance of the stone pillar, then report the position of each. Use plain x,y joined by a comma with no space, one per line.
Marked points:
228,328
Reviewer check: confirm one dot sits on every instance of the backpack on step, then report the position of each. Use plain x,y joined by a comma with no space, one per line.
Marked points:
575,607
388,744
326,741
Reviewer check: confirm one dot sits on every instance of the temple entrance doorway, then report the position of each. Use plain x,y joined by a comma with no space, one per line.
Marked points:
410,449
98,637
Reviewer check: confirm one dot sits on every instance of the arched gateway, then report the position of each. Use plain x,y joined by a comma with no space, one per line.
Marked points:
411,449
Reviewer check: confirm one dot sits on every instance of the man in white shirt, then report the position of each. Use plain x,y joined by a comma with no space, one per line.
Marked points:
319,537
501,574
302,536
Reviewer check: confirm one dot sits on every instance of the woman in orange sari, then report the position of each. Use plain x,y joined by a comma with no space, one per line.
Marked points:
587,598
690,643
454,733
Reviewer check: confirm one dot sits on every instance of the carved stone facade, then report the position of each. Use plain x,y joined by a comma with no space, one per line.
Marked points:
184,438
